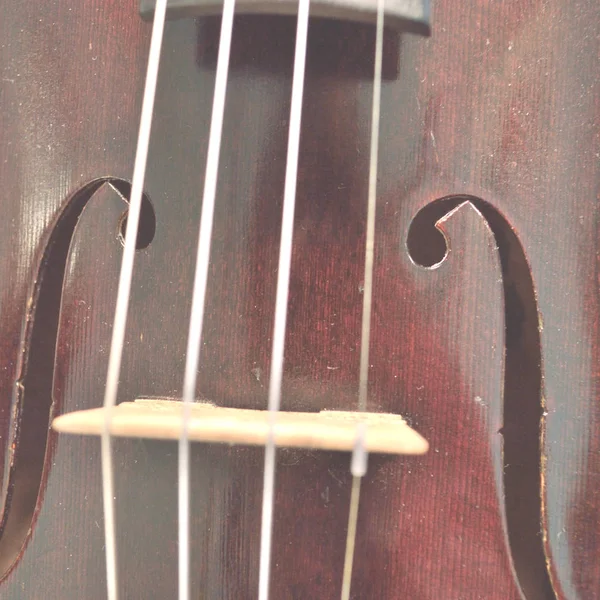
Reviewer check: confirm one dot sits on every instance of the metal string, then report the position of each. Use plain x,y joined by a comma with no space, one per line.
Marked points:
123,294
199,292
359,462
283,279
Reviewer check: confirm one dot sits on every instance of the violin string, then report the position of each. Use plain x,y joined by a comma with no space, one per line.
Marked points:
367,299
199,292
123,294
283,280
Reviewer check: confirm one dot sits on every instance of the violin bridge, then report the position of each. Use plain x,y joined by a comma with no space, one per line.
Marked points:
402,15
326,430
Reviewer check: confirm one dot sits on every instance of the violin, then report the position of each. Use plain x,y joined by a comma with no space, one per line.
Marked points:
300,300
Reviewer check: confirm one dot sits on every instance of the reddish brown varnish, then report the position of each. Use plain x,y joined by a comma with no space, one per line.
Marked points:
496,115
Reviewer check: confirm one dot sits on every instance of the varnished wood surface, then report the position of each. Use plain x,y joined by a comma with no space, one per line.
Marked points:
498,112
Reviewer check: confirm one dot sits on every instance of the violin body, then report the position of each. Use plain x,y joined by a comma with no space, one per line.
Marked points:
486,299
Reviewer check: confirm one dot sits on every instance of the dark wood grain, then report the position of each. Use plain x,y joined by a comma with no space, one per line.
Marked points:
492,355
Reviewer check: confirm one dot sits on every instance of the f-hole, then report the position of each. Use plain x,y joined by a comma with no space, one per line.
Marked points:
523,401
147,223
31,442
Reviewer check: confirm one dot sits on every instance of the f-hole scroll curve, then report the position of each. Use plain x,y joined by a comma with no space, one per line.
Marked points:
30,446
523,398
